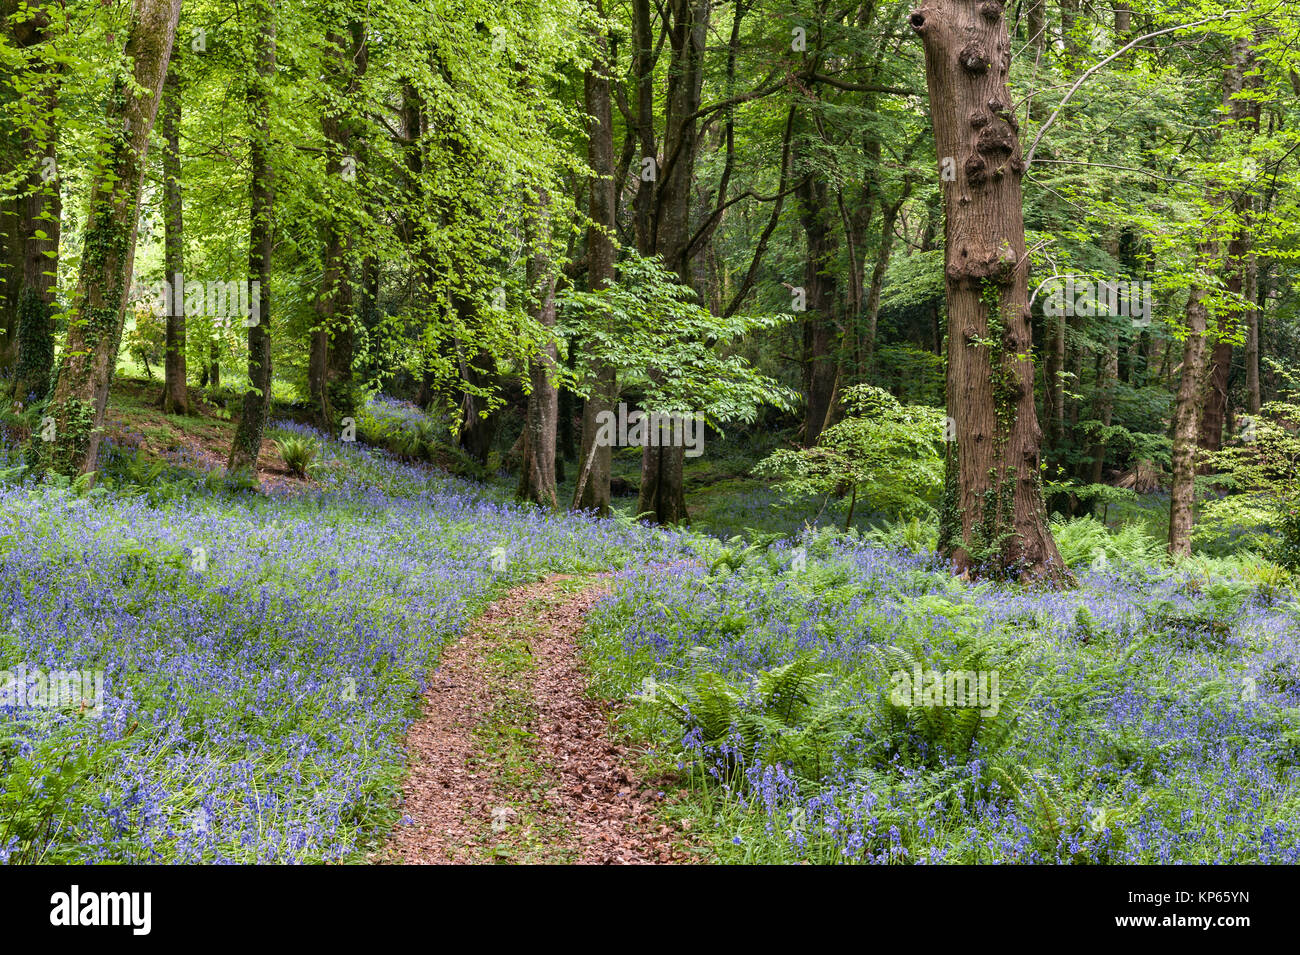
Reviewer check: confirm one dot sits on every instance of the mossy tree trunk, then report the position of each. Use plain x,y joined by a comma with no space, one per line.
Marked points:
11,265
247,443
99,303
993,521
39,218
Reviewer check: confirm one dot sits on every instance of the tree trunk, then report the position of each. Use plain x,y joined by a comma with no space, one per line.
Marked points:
247,444
594,461
99,305
330,362
1244,115
1123,19
662,496
643,69
1054,386
40,210
821,292
993,521
1104,401
537,470
175,396
1251,294
889,216
1188,405
11,265
1036,19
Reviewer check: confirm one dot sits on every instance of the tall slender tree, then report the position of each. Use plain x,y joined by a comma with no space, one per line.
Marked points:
175,393
247,443
99,304
595,458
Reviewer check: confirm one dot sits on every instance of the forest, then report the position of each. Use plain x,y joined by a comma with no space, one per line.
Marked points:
649,431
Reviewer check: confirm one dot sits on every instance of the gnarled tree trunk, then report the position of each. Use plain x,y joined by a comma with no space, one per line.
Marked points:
993,520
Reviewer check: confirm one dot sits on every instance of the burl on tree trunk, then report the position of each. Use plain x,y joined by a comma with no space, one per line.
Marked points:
993,521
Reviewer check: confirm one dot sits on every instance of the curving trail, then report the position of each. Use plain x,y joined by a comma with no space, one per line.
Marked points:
512,760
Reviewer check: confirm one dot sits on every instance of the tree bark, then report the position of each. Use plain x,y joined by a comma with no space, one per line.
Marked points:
39,211
889,216
1242,114
1123,19
1251,294
537,471
1188,405
99,304
331,352
1104,400
993,521
247,444
593,491
1036,20
175,395
820,365
11,265
662,493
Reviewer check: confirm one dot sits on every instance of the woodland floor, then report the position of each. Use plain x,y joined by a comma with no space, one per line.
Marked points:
512,760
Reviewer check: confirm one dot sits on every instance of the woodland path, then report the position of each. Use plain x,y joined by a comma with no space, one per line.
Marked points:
512,761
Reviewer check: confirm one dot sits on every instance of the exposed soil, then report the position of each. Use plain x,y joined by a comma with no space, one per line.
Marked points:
206,433
512,760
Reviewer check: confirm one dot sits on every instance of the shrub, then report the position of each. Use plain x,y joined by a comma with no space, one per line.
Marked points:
884,452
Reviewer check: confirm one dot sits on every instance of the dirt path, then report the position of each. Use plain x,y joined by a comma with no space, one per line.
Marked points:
512,761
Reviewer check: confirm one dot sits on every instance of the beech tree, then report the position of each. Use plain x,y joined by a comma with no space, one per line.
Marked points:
175,393
247,443
103,285
594,459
